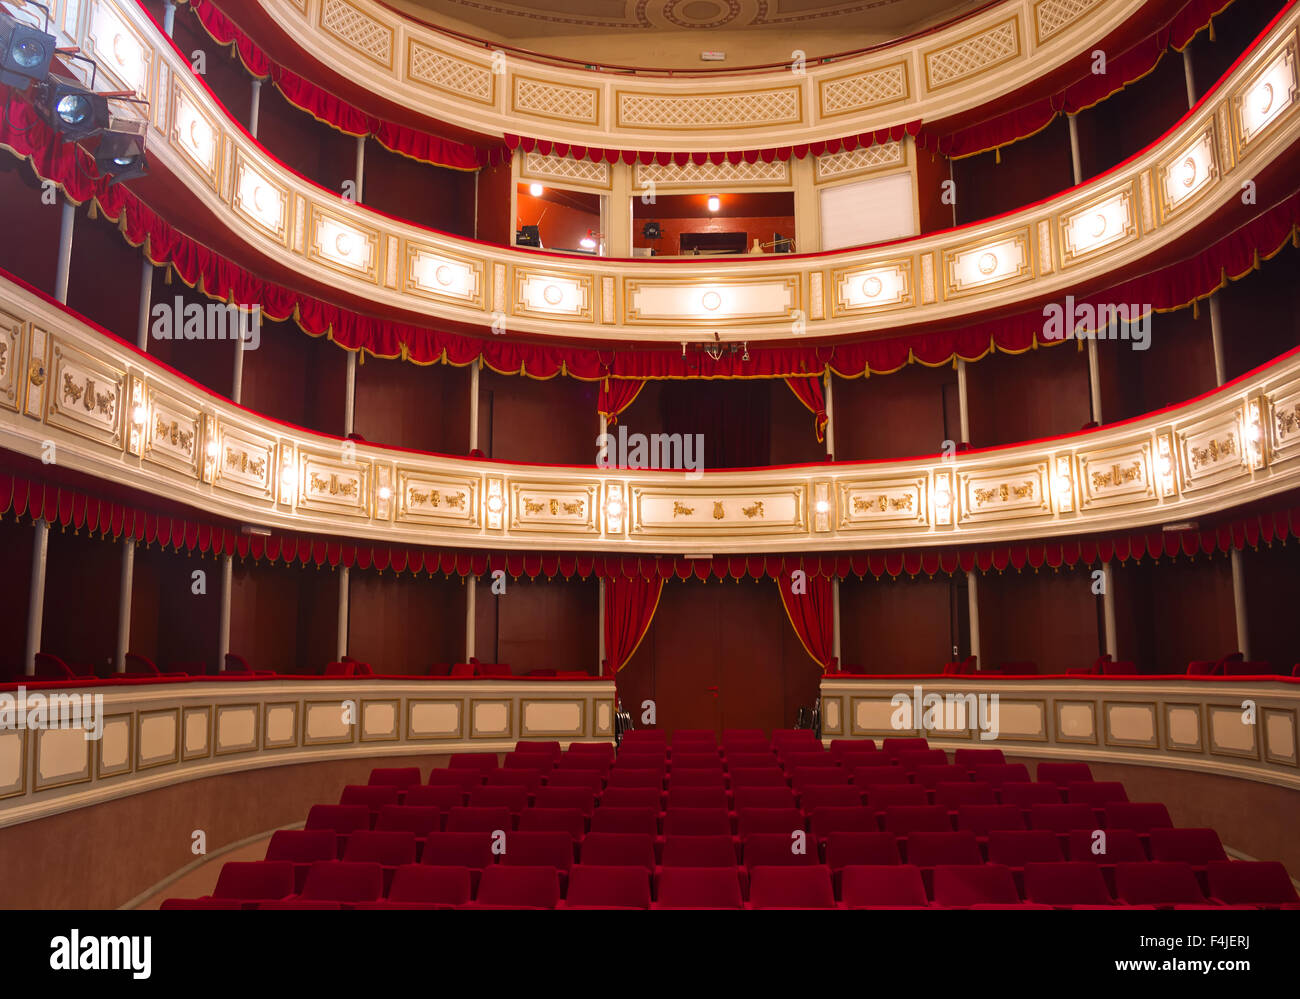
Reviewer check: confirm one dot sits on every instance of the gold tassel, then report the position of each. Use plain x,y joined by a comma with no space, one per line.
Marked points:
1212,38
997,155
92,210
1196,309
167,276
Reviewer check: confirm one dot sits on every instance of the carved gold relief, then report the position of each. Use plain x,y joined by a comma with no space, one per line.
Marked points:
434,498
240,461
882,503
333,486
718,512
680,508
1212,452
1117,475
753,511
104,403
172,432
1005,492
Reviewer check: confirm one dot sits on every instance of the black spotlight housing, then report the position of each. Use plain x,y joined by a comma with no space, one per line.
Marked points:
71,108
121,154
25,52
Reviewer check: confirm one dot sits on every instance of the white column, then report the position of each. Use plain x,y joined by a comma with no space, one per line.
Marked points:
146,304
471,588
835,621
1075,160
342,647
63,266
473,406
223,625
1188,78
36,595
807,206
600,627
169,18
237,382
619,223
124,606
973,607
255,108
361,167
350,395
830,415
1094,379
1216,340
1239,604
963,402
1108,611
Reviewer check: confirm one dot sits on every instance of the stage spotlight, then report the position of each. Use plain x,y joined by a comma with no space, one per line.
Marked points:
121,151
75,111
25,52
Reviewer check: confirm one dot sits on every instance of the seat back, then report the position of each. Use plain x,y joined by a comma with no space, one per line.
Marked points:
885,886
701,888
1257,882
255,880
1066,883
339,881
791,888
609,887
699,851
856,848
519,887
1158,883
421,883
974,884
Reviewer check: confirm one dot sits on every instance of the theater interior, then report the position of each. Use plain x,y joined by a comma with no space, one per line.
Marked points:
649,455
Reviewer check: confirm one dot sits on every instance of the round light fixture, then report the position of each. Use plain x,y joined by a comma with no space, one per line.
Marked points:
823,506
139,416
536,189
494,504
714,202
385,493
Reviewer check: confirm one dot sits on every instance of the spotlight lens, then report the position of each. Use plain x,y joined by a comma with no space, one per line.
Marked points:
28,53
123,161
74,109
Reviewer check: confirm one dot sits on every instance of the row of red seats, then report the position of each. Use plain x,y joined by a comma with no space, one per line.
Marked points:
1045,885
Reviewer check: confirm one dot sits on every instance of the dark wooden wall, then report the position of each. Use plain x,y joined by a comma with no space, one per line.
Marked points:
539,624
405,624
733,636
908,413
901,625
1022,397
1045,617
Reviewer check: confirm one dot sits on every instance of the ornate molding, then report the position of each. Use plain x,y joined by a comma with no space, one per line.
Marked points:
975,60
158,735
1179,185
152,430
1246,730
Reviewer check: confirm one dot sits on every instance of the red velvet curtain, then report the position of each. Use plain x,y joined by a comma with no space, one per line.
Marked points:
630,606
616,394
810,612
809,391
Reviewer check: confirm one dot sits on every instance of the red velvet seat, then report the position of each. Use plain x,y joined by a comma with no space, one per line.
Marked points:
844,849
1016,848
829,796
531,762
913,759
342,819
425,885
766,777
765,797
895,745
302,848
580,798
636,797
1263,883
696,778
930,777
1160,884
1095,793
823,822
566,820
590,779
802,778
967,884
251,882
1061,818
608,888
1026,795
791,888
972,758
443,797
881,797
1067,884
697,797
931,849
1064,774
513,799
953,795
1112,846
998,774
389,849
695,761
701,888
625,820
980,819
473,761
1140,816
893,886
697,822
539,849
636,778
370,796
699,851
903,820
777,850
510,887
545,747
179,904
337,881
465,779
768,820
619,850
470,850
409,818
470,819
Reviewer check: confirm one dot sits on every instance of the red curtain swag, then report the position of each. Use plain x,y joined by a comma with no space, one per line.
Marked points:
810,392
808,604
72,508
339,114
616,394
72,169
630,605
